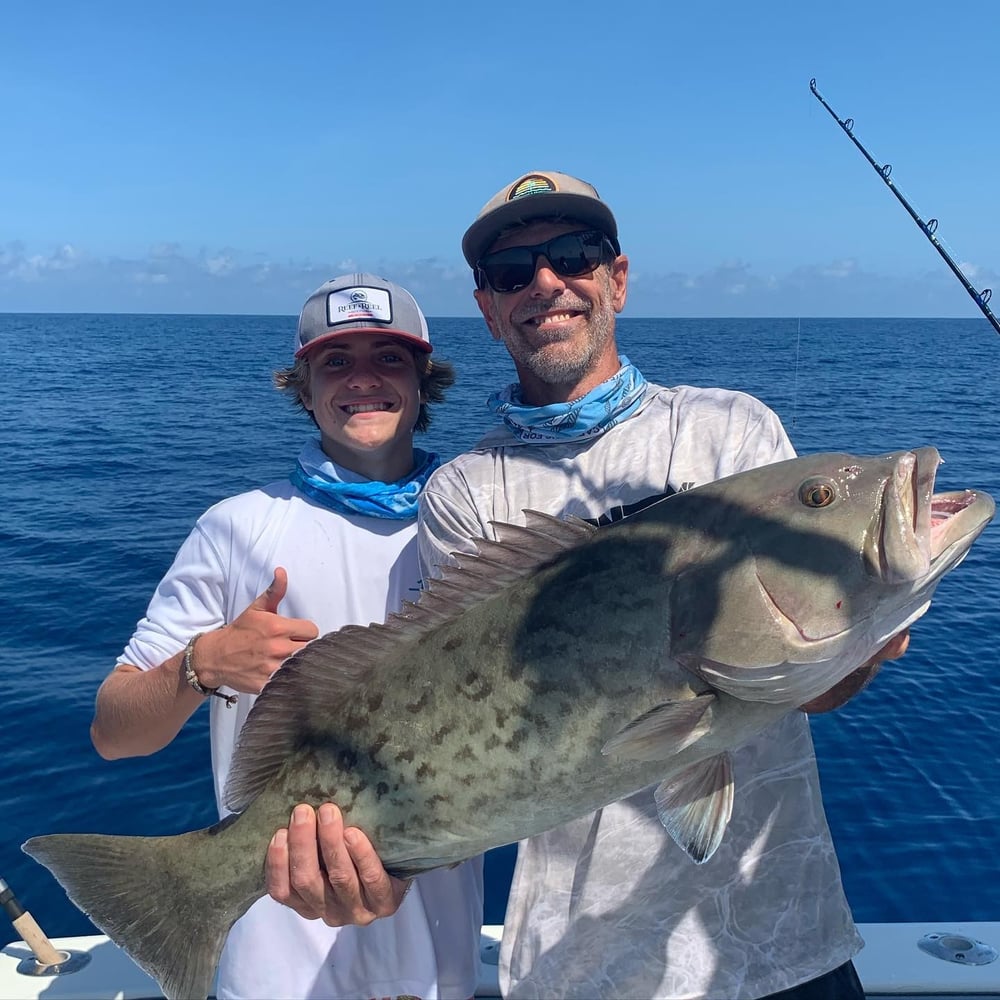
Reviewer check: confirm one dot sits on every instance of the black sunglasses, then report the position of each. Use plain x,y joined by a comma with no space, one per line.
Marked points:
571,256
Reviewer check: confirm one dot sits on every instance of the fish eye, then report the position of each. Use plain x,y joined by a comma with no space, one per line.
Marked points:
817,493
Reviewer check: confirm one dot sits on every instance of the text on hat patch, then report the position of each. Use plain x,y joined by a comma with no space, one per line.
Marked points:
348,305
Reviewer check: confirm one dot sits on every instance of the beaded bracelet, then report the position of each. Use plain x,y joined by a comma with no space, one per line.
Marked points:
192,677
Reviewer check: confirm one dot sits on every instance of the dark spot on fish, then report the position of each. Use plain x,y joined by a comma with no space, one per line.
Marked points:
493,742
453,643
517,738
538,719
483,689
542,687
466,753
421,703
501,717
381,789
406,755
438,737
426,771
374,701
435,800
347,759
379,742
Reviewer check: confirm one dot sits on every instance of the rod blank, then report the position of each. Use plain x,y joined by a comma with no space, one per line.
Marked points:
927,228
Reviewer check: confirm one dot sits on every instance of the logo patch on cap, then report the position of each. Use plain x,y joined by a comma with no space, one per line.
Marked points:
350,305
532,184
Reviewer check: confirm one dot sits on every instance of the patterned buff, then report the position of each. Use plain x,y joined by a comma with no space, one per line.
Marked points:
599,410
317,477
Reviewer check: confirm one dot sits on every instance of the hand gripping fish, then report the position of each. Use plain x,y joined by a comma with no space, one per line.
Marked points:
563,668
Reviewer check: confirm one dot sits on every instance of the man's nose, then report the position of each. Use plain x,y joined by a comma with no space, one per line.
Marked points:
546,281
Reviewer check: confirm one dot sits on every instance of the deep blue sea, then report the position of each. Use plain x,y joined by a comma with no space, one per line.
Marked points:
119,430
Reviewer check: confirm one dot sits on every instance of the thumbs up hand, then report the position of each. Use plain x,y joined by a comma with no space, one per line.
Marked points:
243,654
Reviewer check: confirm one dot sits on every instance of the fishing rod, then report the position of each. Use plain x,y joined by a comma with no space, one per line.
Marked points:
981,298
45,955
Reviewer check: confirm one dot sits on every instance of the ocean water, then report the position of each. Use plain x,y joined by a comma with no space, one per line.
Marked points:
118,431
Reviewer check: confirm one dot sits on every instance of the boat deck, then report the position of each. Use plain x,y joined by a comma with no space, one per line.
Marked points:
891,965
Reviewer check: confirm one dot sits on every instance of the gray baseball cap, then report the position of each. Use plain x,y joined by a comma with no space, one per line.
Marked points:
363,303
537,195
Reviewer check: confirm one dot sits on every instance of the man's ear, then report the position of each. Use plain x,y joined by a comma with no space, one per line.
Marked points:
484,299
619,282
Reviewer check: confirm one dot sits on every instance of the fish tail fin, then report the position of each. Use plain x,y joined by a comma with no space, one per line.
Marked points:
148,894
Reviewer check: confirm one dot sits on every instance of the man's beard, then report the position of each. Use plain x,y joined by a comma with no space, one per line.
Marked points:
568,365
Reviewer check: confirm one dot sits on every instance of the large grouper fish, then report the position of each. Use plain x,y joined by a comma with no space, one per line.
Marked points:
562,668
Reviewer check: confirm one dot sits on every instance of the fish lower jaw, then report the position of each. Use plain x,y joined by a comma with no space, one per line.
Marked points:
950,513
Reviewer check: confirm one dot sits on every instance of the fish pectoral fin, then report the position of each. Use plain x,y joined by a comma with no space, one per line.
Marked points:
695,806
664,730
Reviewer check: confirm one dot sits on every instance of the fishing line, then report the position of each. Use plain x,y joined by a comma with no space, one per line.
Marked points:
795,382
928,228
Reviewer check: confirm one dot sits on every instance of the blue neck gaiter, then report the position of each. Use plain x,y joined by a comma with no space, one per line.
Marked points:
318,478
599,410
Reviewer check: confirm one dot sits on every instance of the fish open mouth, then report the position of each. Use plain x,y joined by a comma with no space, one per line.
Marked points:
945,505
922,533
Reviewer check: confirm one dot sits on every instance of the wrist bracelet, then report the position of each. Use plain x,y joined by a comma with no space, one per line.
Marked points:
192,677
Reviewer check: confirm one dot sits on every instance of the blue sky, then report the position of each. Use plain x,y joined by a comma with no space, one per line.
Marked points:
228,158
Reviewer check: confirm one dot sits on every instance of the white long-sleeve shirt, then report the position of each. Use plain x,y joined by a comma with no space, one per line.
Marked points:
607,905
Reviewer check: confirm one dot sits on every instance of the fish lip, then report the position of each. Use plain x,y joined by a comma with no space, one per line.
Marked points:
922,532
903,545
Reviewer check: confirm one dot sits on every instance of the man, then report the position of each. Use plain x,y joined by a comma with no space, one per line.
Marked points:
608,905
260,575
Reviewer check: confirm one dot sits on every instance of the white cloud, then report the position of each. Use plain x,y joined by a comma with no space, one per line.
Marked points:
839,269
220,266
225,280
16,265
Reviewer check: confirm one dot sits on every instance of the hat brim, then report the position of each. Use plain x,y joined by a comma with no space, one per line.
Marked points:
409,338
481,235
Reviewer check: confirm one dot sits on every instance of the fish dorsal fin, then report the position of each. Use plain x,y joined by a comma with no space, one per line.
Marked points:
305,694
696,805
